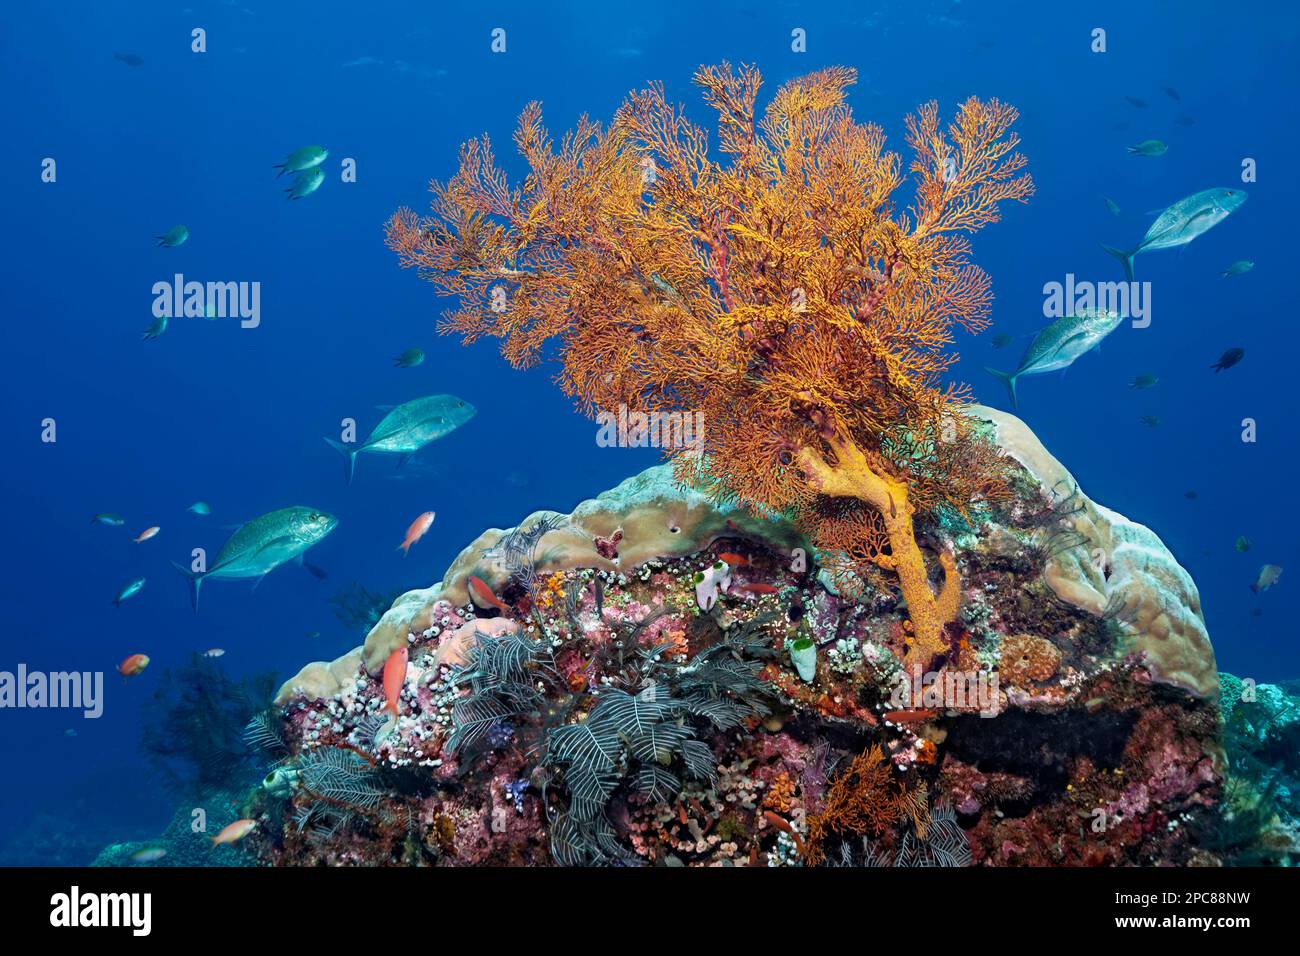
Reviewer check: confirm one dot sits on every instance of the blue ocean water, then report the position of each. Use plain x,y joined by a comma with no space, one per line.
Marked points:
235,416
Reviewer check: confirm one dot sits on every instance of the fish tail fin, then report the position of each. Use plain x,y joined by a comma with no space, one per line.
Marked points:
196,580
1254,588
279,166
161,240
1124,257
405,548
1008,379
347,452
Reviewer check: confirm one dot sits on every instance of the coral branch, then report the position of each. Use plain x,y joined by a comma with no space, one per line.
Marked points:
853,477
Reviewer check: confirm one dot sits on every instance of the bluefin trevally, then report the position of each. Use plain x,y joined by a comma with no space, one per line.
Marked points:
409,427
1058,345
262,545
1182,222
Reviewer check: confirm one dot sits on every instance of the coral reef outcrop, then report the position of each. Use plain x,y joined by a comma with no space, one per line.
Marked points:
1105,564
655,678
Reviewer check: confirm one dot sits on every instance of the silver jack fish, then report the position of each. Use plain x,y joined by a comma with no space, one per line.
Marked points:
1058,345
262,545
409,427
1182,222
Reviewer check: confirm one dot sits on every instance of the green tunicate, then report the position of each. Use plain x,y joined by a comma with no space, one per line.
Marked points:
803,654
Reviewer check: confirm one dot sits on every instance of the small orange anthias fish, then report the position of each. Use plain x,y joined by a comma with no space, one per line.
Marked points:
733,559
147,533
233,832
483,596
757,587
395,677
416,531
133,665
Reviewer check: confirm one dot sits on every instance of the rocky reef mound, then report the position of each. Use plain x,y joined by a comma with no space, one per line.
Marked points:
659,679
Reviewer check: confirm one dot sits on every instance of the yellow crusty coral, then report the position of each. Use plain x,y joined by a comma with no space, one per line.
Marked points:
781,295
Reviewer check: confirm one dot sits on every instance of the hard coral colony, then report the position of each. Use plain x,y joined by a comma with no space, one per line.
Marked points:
759,670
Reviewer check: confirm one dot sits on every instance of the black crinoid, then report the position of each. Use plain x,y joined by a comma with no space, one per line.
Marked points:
944,844
645,737
517,548
337,786
264,732
1056,526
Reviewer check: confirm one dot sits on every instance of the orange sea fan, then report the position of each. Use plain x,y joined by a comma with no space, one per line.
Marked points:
865,800
779,293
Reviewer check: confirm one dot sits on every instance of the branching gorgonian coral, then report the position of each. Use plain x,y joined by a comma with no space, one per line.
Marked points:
778,290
